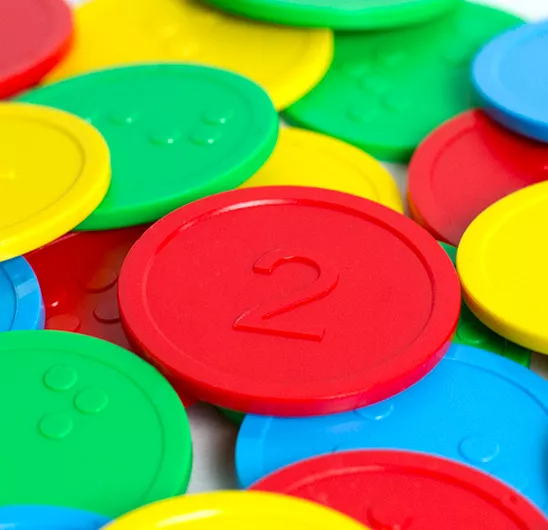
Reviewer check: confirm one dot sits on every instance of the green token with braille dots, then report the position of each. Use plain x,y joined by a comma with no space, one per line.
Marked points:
176,132
87,425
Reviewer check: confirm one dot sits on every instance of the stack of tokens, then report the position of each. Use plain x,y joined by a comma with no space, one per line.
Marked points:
166,239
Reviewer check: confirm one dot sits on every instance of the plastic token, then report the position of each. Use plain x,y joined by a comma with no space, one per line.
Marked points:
387,90
235,417
287,62
466,165
176,132
235,510
78,274
509,75
305,158
48,518
91,425
257,300
475,407
21,305
472,332
54,171
34,36
401,490
500,263
352,14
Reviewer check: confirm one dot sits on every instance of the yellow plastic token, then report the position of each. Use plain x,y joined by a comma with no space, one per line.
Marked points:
54,171
305,158
235,510
502,266
287,62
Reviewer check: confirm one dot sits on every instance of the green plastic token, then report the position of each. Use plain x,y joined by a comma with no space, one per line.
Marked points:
473,332
338,14
87,425
387,90
176,132
234,416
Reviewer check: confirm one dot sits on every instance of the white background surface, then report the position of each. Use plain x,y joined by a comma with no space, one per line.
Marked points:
213,436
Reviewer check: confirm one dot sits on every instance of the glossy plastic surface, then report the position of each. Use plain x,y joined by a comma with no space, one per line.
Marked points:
475,407
176,133
21,305
500,264
387,90
466,165
473,332
78,274
54,171
48,518
34,37
510,74
91,426
257,300
305,158
235,510
347,15
401,490
287,62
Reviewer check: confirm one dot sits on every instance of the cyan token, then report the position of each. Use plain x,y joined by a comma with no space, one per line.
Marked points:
49,518
511,74
21,305
475,407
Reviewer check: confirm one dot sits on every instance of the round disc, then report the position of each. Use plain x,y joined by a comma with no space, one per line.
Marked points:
176,133
78,274
235,510
35,35
510,74
396,489
492,413
287,62
466,165
473,332
21,305
91,425
54,171
350,15
49,518
500,263
305,158
257,300
387,90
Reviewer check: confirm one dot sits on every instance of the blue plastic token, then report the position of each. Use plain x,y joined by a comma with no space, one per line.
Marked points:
48,518
475,407
511,74
21,305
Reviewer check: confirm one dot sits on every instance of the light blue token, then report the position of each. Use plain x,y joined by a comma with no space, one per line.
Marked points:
475,407
511,77
21,305
48,518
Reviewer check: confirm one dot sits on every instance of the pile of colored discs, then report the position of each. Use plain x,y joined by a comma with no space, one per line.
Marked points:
221,309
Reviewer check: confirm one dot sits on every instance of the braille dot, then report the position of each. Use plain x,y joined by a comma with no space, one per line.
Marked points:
164,137
163,29
182,48
64,322
91,401
397,101
206,136
56,426
388,518
60,378
373,85
356,70
123,117
100,281
376,412
107,312
390,59
7,174
218,116
479,449
362,115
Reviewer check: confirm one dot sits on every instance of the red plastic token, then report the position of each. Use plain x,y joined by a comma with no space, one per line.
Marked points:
466,165
289,300
396,490
78,275
34,36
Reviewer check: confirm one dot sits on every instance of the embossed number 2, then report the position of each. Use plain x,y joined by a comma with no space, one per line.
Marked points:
261,318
